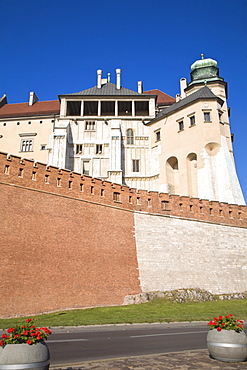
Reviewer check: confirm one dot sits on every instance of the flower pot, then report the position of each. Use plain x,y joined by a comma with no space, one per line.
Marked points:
227,345
25,357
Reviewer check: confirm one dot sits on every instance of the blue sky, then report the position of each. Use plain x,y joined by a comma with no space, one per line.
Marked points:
54,47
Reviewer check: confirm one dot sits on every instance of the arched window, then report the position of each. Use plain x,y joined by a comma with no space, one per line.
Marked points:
130,136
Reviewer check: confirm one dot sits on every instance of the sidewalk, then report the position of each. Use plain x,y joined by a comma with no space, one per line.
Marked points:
186,360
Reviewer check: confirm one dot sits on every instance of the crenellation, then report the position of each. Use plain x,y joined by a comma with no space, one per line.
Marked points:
21,172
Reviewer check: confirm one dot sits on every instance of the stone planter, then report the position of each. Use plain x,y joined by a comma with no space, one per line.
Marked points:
227,345
25,357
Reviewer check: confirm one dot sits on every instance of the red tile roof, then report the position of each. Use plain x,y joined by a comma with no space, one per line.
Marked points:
24,109
162,98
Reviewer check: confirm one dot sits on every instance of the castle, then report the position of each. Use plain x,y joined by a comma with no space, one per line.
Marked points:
109,192
146,140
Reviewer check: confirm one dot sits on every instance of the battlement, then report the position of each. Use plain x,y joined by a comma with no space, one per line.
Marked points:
29,174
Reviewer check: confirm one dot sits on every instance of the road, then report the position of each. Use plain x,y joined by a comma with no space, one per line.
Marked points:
71,345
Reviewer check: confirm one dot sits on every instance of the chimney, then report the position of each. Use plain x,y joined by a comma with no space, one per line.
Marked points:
3,100
32,98
183,85
139,84
118,74
99,74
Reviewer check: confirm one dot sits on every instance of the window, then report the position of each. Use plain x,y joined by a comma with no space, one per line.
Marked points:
192,121
180,125
136,165
73,108
90,126
27,145
108,108
46,179
130,136
43,147
141,108
157,135
90,108
85,168
99,148
125,108
207,117
78,149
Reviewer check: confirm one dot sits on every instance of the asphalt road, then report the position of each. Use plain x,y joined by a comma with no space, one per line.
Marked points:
71,345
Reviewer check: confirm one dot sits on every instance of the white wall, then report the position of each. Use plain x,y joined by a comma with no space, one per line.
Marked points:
175,253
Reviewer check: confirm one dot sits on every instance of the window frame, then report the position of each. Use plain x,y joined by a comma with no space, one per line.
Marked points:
180,125
135,165
26,145
206,115
130,138
90,125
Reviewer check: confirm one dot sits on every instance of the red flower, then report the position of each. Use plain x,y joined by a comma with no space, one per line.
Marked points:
26,332
227,316
4,336
223,324
220,317
1,343
10,330
28,320
16,336
29,341
219,329
231,314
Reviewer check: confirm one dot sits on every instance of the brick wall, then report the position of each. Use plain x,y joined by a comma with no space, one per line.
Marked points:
68,240
59,252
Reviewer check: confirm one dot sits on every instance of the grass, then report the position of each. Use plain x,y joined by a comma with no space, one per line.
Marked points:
159,310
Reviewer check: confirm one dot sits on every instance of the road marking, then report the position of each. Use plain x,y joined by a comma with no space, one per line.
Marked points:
67,340
157,335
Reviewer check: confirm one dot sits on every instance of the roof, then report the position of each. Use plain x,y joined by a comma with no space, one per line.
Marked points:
203,93
24,109
162,98
107,89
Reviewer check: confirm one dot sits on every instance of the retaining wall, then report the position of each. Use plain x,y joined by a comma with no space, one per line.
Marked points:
72,241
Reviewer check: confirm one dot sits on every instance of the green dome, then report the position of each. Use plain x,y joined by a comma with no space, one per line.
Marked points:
208,62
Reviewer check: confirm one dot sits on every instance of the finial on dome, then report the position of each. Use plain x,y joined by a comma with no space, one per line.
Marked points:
202,55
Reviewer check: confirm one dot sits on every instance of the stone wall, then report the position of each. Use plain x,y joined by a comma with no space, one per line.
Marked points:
175,253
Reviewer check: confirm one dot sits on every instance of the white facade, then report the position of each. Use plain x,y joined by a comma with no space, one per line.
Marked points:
123,136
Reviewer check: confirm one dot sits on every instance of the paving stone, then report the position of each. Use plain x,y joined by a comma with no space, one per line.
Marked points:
186,360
